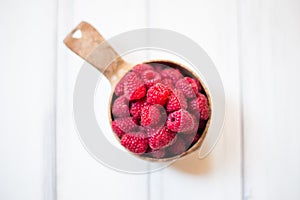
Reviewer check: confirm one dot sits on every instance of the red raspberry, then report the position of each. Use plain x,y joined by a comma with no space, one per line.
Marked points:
117,130
152,115
151,130
150,77
176,101
135,142
193,131
140,68
178,147
173,74
200,106
120,107
193,137
162,138
136,108
126,124
180,121
158,67
157,94
198,85
134,87
160,153
119,89
188,86
168,82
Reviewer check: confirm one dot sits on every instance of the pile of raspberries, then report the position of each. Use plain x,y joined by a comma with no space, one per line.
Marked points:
159,111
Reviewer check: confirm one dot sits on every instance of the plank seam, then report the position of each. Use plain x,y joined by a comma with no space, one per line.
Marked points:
240,63
54,150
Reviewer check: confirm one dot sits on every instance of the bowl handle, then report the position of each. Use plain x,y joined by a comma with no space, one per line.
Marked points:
87,42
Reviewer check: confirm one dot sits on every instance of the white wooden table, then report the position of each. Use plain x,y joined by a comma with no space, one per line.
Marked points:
255,45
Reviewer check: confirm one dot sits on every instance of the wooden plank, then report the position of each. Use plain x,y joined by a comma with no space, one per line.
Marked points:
213,25
79,176
270,46
27,103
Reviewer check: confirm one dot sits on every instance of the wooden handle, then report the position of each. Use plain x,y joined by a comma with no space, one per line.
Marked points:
87,42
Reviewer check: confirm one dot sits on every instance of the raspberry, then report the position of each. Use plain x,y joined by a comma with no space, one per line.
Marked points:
176,101
178,147
168,82
193,131
151,130
162,138
159,112
157,94
200,106
140,68
188,86
173,74
119,89
117,130
134,87
192,136
152,115
120,107
198,85
180,121
136,108
150,77
126,124
160,153
158,67
135,142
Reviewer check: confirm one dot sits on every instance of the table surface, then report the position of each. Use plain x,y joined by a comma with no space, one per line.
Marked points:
255,45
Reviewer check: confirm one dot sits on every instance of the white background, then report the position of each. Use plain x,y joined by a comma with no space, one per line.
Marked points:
255,45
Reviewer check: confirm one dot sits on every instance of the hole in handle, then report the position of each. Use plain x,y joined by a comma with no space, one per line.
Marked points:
77,34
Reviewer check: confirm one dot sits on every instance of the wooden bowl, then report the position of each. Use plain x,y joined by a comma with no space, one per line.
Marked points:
94,49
